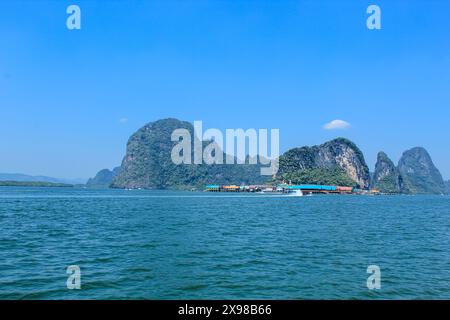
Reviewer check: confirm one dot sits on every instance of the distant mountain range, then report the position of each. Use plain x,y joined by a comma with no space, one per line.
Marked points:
147,164
19,177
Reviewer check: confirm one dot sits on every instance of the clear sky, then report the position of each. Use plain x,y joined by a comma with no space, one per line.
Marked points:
69,99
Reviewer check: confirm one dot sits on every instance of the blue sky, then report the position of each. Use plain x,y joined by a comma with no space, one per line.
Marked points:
292,65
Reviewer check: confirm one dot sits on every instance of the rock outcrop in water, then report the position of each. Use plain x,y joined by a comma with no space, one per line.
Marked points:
418,173
103,178
447,183
333,157
148,164
386,177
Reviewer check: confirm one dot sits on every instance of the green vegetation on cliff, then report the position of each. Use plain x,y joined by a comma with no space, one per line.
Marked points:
386,177
338,160
418,173
336,177
388,184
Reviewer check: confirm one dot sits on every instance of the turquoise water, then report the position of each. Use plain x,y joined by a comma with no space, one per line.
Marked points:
181,245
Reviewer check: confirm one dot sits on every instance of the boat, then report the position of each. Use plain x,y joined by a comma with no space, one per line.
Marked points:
296,193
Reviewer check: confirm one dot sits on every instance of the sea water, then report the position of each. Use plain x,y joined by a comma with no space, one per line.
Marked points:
143,244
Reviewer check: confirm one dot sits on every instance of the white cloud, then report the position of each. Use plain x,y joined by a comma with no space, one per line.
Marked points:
336,124
123,120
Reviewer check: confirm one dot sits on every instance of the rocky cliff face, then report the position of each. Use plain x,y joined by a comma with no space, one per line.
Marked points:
447,183
339,154
386,177
103,178
148,164
419,175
